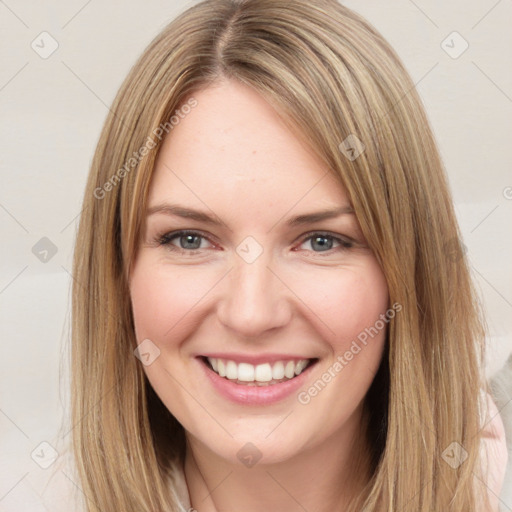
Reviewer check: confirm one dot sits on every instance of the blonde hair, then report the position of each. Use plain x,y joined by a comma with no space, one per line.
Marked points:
330,75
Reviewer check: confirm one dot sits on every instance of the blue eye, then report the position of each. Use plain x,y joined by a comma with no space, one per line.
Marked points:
324,242
189,242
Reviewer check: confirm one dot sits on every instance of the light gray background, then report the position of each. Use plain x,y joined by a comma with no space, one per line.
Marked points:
51,113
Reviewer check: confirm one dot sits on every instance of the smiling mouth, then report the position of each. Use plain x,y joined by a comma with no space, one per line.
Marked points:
266,374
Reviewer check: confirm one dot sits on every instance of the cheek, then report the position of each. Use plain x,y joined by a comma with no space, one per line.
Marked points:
161,299
347,301
352,304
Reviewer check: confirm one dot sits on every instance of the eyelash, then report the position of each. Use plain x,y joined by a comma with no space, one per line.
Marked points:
165,240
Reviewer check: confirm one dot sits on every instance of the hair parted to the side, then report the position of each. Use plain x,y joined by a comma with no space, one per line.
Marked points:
329,74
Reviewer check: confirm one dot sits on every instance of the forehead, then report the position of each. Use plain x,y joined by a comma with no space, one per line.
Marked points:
234,150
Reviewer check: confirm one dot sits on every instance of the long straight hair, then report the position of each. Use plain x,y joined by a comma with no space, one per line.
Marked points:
330,75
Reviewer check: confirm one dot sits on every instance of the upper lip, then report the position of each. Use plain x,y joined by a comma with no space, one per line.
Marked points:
255,359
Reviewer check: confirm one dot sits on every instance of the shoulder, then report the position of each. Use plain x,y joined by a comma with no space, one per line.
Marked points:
57,488
493,450
179,487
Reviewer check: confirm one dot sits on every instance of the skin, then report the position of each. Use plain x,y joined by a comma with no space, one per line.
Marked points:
235,158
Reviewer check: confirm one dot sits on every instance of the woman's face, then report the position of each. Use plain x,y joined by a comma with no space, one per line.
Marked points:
258,291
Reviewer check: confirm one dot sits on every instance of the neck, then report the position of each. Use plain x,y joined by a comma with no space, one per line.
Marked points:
326,477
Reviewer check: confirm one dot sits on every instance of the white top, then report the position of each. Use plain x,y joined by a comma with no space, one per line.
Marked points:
57,488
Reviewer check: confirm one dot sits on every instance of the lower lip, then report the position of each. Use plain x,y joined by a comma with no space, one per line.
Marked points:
255,395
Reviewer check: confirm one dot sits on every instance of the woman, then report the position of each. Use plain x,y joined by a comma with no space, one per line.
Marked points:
319,346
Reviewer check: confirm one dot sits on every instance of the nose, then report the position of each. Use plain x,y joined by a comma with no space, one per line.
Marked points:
255,299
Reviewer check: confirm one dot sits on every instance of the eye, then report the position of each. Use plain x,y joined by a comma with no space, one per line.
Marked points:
323,242
189,241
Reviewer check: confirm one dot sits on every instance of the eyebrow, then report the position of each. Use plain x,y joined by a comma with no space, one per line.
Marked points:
299,220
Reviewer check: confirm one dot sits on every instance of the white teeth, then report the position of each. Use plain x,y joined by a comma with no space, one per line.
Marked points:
300,366
278,370
221,367
245,372
265,372
231,370
289,369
